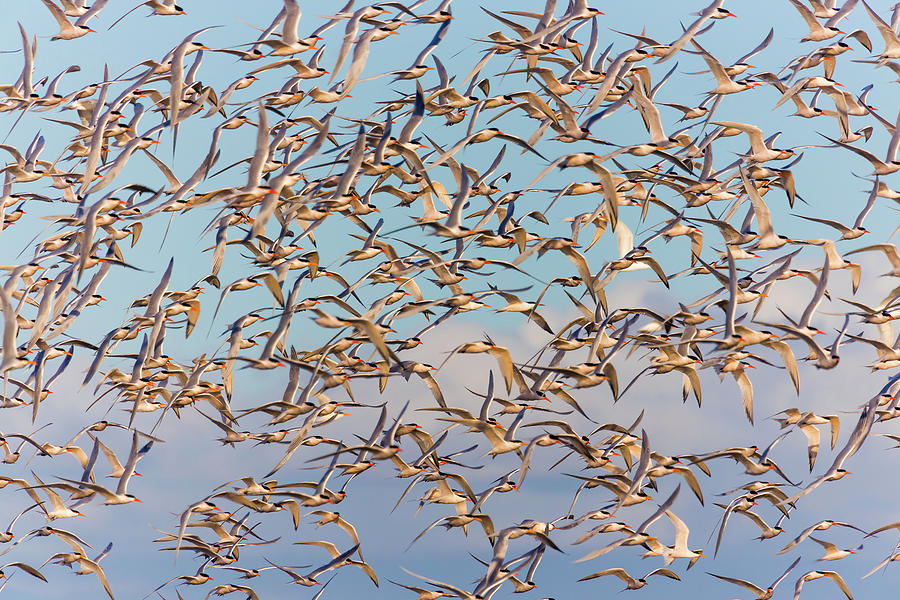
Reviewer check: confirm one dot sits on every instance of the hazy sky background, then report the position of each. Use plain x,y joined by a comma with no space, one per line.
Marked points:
190,464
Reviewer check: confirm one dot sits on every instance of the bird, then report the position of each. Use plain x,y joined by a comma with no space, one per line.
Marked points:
120,495
159,7
393,221
761,594
832,552
817,31
69,30
820,526
813,575
630,582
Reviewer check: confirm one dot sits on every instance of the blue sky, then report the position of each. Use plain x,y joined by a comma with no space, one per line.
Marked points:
190,464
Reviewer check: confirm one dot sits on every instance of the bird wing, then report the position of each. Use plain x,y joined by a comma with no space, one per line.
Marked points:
746,388
890,251
803,535
692,482
58,14
665,572
617,571
611,201
787,357
839,581
754,133
27,568
271,283
891,40
328,546
828,546
876,162
785,574
812,441
504,361
291,21
745,584
691,31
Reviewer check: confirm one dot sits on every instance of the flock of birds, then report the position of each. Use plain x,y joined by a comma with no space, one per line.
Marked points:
418,239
